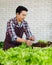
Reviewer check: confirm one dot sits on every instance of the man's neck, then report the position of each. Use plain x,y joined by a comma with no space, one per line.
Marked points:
18,20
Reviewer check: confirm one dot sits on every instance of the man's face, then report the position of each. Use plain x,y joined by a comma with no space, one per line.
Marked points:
22,15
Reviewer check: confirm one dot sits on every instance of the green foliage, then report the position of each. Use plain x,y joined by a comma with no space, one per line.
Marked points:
1,44
24,55
43,41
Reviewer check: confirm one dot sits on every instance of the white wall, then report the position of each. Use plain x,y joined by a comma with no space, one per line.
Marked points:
39,16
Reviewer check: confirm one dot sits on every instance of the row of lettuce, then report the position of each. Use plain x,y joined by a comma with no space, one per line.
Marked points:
39,41
24,55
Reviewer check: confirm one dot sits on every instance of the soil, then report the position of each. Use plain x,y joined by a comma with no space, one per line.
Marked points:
42,44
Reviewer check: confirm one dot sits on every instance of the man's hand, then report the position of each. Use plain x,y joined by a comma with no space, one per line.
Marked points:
29,42
32,38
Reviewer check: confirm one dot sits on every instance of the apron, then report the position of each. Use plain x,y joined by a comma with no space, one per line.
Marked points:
8,43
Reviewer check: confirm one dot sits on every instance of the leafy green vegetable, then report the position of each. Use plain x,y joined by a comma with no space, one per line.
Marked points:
1,44
42,41
24,55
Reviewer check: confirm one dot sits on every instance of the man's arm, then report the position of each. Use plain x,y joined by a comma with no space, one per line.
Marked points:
10,29
28,32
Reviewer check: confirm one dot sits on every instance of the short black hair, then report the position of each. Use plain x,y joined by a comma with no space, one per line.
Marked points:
19,9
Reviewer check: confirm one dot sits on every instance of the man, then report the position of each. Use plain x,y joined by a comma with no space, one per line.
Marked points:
15,29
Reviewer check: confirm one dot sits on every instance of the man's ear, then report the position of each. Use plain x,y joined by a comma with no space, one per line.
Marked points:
17,13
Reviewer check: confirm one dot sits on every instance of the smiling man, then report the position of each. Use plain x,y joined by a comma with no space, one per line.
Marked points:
15,29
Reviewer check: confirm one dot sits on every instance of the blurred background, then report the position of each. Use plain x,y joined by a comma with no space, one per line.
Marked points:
39,17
